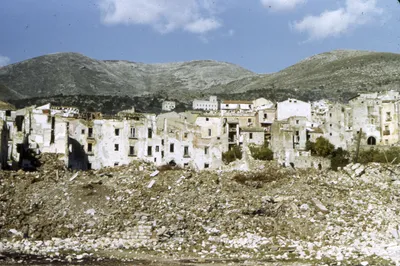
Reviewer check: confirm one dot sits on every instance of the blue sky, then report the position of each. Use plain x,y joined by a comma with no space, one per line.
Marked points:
261,35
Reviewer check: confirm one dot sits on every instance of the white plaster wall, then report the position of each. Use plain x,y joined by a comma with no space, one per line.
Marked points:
293,107
205,105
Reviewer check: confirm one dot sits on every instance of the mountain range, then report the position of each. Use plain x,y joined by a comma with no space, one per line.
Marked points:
74,79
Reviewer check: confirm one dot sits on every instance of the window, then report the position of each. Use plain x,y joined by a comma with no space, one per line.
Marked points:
249,120
330,115
162,142
157,148
133,132
82,131
116,164
186,151
162,154
171,147
265,116
206,150
90,147
209,132
251,136
149,151
117,132
131,150
116,147
226,105
149,133
206,165
330,125
8,113
90,132
297,121
185,135
207,119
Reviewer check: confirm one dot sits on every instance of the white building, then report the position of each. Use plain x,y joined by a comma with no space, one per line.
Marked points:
168,106
211,105
293,107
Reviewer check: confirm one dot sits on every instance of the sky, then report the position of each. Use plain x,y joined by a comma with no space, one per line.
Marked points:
263,36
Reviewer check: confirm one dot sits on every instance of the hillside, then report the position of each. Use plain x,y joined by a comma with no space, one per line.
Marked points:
75,74
337,75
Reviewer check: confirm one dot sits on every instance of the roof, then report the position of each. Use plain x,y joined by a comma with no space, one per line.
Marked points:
236,102
6,106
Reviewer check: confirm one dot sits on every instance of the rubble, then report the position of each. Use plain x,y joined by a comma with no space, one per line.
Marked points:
270,213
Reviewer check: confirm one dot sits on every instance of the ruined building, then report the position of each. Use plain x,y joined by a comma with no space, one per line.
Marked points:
196,139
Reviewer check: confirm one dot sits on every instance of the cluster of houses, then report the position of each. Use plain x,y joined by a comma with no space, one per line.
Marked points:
197,138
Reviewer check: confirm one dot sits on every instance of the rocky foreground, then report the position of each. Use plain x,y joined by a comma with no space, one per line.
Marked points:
268,214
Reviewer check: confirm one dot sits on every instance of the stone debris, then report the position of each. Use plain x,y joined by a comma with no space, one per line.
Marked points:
320,218
155,173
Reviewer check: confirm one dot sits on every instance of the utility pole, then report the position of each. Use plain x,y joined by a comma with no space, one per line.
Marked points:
358,145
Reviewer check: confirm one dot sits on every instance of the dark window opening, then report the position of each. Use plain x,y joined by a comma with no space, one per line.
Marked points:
371,141
162,142
116,164
90,147
207,119
249,120
185,135
149,133
171,147
206,165
131,150
52,134
8,113
89,166
265,116
251,136
162,154
186,151
82,131
149,151
90,132
209,132
133,132
206,150
116,147
19,120
117,132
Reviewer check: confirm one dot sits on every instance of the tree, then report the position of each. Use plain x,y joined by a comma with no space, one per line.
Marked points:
233,154
323,147
262,153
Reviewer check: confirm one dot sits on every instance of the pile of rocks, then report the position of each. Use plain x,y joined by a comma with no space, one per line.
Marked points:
272,213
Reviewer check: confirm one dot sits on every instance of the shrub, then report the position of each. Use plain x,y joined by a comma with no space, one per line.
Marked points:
323,147
233,154
310,146
340,158
380,156
262,153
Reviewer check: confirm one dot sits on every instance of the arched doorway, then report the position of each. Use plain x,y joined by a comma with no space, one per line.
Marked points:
371,141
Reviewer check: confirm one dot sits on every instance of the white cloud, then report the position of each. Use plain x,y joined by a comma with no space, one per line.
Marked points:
333,23
280,5
195,16
4,60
